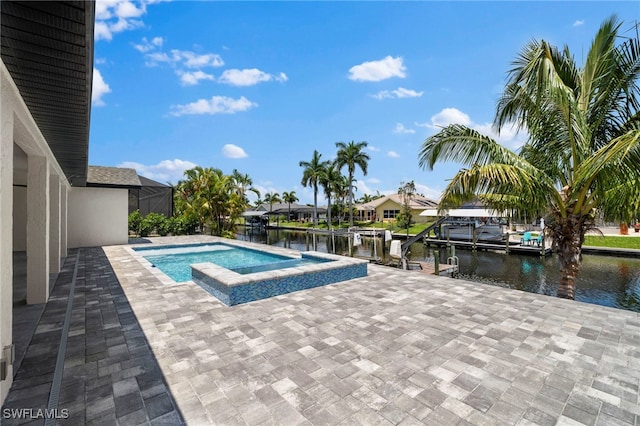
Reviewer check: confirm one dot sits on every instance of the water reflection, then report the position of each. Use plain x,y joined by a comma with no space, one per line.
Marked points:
603,280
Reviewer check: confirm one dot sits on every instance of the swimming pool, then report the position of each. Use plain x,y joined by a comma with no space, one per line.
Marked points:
176,261
239,272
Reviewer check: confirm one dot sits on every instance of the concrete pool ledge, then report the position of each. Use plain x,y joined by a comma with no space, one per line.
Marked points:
233,288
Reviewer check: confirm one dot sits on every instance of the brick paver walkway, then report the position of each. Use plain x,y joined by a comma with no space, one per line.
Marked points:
396,347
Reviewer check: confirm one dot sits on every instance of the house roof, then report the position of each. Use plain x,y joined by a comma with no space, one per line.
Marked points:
417,202
47,47
112,177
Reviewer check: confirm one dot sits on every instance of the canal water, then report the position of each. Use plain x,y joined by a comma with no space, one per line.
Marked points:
603,280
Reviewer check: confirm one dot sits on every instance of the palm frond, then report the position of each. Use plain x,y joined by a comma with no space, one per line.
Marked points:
500,184
464,145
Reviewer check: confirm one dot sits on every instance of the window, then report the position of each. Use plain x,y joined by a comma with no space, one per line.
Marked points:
390,214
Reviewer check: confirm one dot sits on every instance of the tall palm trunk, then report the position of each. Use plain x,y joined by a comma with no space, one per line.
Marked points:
350,199
315,206
567,236
329,211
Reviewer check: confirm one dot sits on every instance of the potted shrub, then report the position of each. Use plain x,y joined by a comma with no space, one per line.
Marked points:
624,228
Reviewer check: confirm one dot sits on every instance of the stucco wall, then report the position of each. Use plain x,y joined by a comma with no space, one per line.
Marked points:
392,205
97,217
19,218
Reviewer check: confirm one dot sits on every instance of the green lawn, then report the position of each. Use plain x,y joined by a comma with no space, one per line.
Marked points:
612,241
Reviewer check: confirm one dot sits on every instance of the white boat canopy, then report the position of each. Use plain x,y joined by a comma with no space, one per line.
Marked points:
463,213
254,213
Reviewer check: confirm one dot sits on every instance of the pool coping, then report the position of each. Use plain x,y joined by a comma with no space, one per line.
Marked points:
204,239
231,278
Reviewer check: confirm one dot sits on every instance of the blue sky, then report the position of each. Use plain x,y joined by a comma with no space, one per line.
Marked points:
257,86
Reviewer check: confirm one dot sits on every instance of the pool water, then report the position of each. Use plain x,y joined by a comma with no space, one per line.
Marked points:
176,261
284,264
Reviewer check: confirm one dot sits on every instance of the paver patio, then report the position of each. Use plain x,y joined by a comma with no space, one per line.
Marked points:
396,347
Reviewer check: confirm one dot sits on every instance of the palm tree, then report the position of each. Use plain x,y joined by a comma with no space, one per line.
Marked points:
210,197
243,183
272,198
341,191
366,198
311,176
330,179
583,149
289,197
351,155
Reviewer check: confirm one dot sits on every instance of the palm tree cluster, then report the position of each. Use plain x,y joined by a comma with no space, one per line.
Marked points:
327,174
581,158
213,199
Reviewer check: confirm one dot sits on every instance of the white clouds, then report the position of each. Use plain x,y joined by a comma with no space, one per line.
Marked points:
372,148
115,16
578,23
215,105
192,78
101,31
233,151
184,58
402,130
189,64
393,154
378,70
445,117
428,192
362,187
508,137
249,77
100,88
400,92
127,9
165,171
192,60
146,45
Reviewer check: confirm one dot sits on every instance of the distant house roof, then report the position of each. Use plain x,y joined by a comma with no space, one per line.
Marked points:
112,177
417,202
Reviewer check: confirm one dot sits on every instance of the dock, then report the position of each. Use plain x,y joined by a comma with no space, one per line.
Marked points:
430,268
512,247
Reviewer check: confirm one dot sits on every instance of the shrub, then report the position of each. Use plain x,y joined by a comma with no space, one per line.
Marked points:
164,228
180,225
135,220
156,221
404,219
228,234
145,228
